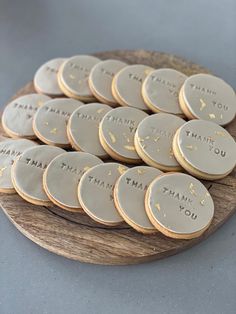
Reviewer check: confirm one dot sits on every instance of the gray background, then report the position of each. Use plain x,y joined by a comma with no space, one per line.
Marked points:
32,280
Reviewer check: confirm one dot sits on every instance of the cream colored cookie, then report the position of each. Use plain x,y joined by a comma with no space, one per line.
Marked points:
27,173
45,79
208,97
153,140
95,193
73,77
129,196
127,84
100,80
160,90
50,121
83,128
18,115
10,150
205,149
179,206
62,176
116,133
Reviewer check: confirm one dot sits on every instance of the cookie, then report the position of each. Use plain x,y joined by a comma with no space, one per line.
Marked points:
129,196
153,140
62,176
205,149
127,84
50,121
45,79
100,80
95,193
179,206
27,173
82,128
18,115
9,151
160,90
116,133
73,77
207,97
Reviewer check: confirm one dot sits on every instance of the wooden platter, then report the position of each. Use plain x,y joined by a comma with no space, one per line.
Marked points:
77,237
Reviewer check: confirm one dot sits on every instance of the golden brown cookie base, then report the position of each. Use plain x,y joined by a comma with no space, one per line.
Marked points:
17,136
100,97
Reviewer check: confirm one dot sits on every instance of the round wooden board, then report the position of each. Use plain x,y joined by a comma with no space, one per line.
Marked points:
77,237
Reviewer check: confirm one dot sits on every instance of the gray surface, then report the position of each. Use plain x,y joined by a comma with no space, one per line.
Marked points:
32,280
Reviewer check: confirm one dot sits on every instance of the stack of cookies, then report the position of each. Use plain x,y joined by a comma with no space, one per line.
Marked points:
112,141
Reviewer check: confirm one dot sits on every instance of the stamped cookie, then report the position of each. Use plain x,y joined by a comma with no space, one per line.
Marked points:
207,97
27,173
116,133
129,196
95,193
127,85
100,80
83,128
10,150
153,140
160,90
45,79
205,149
50,121
179,206
18,115
62,176
73,77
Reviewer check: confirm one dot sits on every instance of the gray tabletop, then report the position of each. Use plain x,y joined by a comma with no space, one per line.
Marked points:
32,280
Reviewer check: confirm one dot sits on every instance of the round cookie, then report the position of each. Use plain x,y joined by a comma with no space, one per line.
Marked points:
116,133
153,140
18,115
45,79
61,178
27,173
50,121
82,128
205,149
73,77
207,97
95,193
160,90
179,206
127,84
10,150
129,196
100,80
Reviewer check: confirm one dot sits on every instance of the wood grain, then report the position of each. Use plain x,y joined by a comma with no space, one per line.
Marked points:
77,237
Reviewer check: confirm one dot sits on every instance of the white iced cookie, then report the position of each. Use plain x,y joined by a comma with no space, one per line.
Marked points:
27,173
10,150
129,197
50,121
179,206
207,97
62,176
153,140
116,133
83,128
127,85
45,79
160,90
100,80
95,193
73,77
18,115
